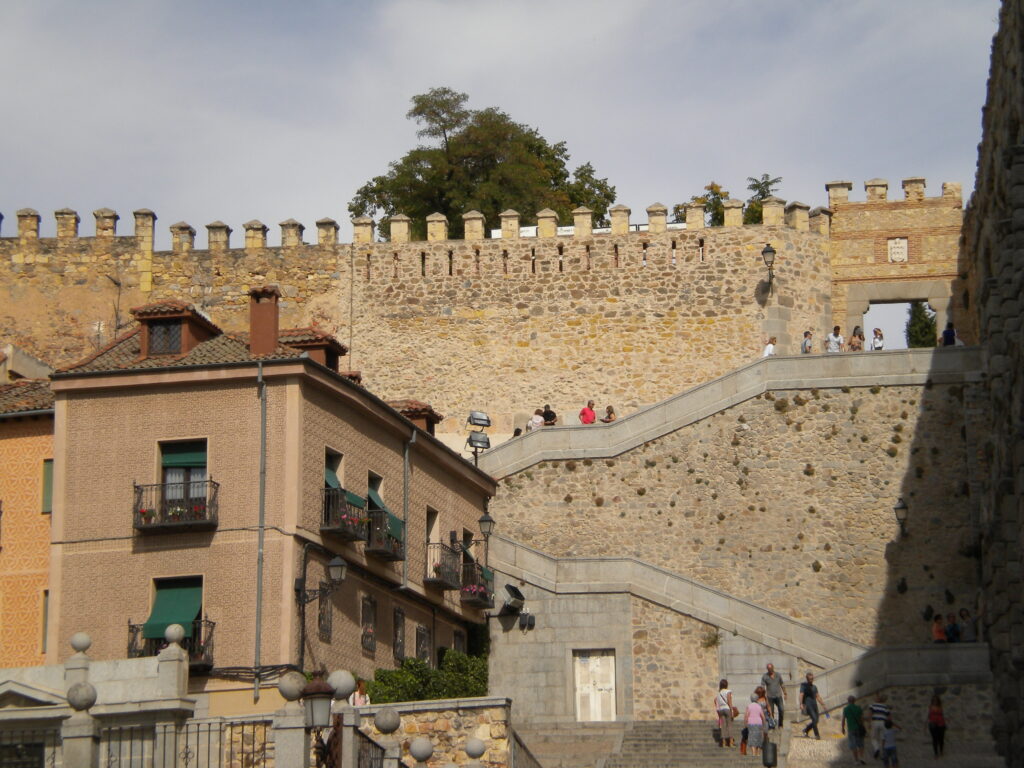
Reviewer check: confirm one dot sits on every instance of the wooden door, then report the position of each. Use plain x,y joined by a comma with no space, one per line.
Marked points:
594,673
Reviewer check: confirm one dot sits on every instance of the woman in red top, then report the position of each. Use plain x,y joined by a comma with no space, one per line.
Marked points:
937,726
938,629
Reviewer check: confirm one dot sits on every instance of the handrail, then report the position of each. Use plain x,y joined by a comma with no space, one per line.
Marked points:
598,441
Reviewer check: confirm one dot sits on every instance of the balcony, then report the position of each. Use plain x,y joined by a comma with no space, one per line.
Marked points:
344,516
199,646
442,567
167,507
477,586
386,540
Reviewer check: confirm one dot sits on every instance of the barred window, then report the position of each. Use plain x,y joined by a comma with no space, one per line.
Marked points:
422,643
324,613
164,337
369,623
398,641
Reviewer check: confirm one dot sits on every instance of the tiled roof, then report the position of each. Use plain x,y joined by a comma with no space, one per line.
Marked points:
26,395
413,409
165,307
309,336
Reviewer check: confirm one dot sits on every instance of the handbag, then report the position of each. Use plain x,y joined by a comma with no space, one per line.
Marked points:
771,722
735,713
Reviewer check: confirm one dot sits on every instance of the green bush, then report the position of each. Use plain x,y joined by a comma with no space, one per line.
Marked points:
459,676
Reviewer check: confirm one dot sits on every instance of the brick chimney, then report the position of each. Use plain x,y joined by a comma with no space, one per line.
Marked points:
263,319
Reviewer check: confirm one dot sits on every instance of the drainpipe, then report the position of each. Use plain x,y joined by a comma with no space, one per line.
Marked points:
261,386
405,507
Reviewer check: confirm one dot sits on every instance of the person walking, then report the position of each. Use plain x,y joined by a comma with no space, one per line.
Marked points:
877,342
835,342
587,415
726,712
755,721
853,728
880,712
775,692
937,726
889,756
809,701
807,345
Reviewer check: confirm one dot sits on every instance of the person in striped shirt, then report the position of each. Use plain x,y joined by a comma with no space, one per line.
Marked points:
880,712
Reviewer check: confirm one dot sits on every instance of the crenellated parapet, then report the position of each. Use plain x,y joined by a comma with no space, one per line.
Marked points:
877,191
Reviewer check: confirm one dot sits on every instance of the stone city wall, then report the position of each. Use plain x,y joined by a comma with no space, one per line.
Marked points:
785,500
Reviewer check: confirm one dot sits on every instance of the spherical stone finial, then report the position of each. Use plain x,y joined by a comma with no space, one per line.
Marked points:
174,633
475,747
387,720
81,642
290,685
342,682
421,748
81,696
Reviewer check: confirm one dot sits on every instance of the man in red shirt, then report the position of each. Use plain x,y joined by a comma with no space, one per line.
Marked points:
587,415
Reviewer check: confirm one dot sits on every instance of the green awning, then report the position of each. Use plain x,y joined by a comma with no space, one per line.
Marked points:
183,454
375,499
355,500
396,528
487,574
331,478
176,603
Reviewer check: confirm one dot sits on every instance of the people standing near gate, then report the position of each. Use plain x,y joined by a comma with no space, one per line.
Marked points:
726,712
587,415
775,692
809,701
835,342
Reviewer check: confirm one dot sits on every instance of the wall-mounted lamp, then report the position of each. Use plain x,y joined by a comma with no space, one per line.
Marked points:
486,523
768,254
900,509
336,570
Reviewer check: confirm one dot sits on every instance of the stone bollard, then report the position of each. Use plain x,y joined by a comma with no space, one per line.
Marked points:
80,733
291,738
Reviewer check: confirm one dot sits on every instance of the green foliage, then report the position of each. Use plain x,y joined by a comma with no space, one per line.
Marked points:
920,328
479,160
762,189
459,676
714,211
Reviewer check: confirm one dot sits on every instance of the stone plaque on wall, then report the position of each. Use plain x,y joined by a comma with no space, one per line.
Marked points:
897,249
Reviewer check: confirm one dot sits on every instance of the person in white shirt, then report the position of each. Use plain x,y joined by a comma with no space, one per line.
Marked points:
807,345
835,342
877,341
769,348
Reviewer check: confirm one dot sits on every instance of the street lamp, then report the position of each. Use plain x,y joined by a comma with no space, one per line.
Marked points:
478,440
336,570
486,523
768,254
900,509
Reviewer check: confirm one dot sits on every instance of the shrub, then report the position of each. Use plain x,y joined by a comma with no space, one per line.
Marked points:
459,676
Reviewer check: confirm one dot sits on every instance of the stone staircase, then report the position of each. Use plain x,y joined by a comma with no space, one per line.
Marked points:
676,744
573,745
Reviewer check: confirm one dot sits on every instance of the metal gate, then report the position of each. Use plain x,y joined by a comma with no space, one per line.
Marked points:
30,748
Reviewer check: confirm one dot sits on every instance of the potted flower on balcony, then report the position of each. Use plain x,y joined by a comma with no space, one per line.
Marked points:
175,513
146,516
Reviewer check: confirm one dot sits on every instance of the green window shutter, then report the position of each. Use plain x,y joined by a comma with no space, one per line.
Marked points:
48,485
178,601
396,528
355,500
183,454
487,574
331,478
376,500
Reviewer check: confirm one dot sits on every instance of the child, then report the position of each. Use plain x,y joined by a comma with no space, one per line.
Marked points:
889,757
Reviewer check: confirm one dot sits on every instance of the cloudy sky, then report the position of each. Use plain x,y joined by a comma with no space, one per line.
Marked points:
207,110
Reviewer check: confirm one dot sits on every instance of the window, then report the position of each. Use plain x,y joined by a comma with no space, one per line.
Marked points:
398,641
332,469
46,618
184,474
324,614
459,641
369,624
422,643
47,486
177,601
373,498
164,337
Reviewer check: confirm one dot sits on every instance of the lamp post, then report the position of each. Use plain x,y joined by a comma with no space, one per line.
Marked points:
336,570
768,254
486,523
900,509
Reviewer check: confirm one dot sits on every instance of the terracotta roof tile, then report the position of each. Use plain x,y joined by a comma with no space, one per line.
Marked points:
167,306
26,395
413,409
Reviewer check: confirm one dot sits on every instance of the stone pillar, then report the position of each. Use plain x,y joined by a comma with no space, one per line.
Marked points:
183,237
877,190
620,219
76,668
952,189
291,233
291,739
694,215
913,188
796,215
255,235
400,228
218,236
106,222
327,231
473,225
838,192
509,225
28,224
80,733
547,223
733,212
772,210
172,664
820,220
145,225
582,222
437,227
362,229
657,218
67,224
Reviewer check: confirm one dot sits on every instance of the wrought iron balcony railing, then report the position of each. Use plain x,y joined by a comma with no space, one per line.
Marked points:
176,507
386,536
442,567
342,516
199,646
477,585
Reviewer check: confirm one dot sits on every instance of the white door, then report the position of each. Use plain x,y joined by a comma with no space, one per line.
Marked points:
594,672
